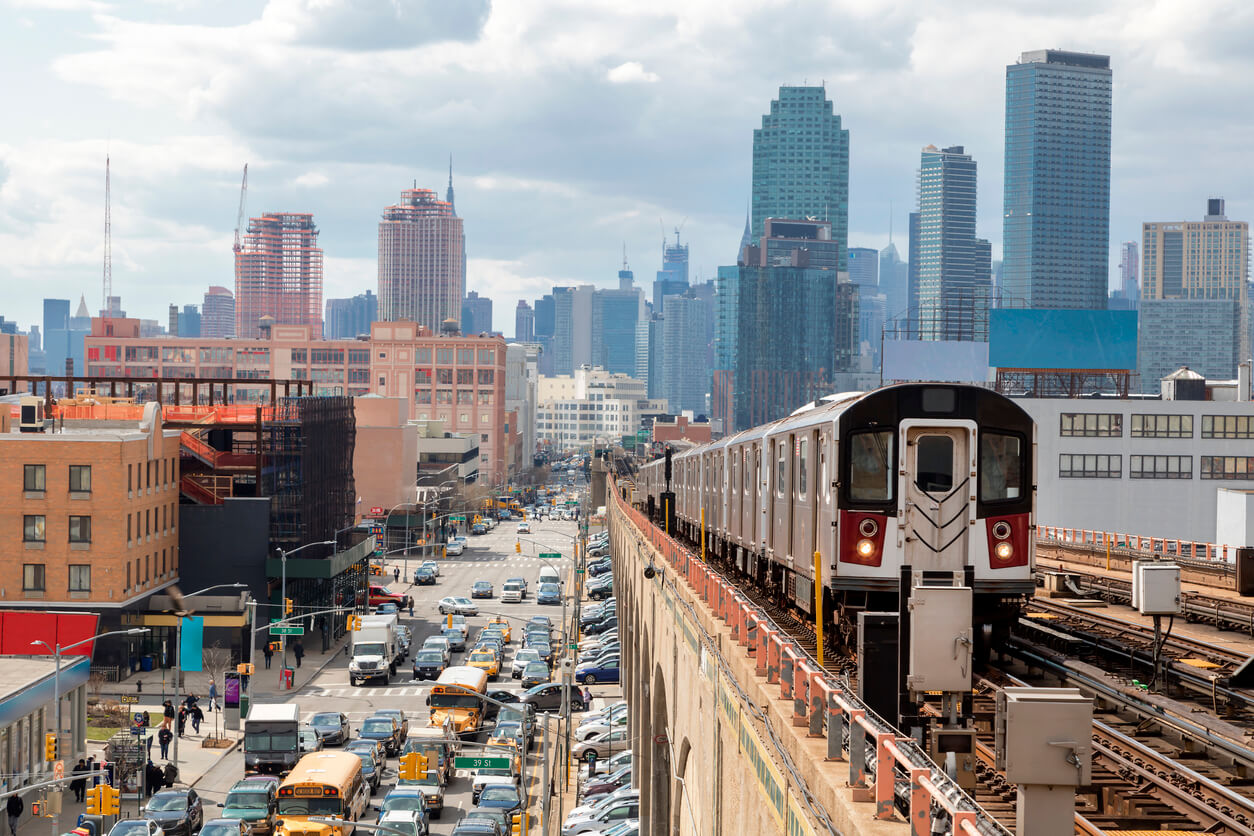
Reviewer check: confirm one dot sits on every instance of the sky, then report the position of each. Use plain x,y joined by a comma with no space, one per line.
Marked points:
576,127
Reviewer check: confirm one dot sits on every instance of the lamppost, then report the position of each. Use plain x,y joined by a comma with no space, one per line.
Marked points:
178,655
55,649
387,517
283,556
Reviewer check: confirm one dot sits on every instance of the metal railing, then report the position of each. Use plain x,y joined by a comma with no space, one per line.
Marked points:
1136,545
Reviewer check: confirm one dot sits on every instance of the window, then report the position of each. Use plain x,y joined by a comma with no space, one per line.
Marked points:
1091,425
465,396
80,577
1228,467
34,477
300,356
1162,426
1001,467
870,466
486,377
485,398
80,529
128,575
444,356
129,467
359,357
128,528
1160,467
80,478
1220,426
934,463
444,377
465,377
33,577
34,528
1089,466
781,469
483,438
802,450
485,357
465,356
422,355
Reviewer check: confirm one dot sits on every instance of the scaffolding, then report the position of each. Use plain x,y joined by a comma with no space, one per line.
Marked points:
307,469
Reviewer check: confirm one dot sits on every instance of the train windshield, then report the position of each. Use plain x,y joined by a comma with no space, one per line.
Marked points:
870,466
1001,467
935,463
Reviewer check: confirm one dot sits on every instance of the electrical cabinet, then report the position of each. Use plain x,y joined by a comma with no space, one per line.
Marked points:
1044,736
1156,588
941,641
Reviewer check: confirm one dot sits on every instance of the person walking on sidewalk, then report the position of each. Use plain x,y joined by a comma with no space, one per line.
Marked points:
298,650
164,737
396,574
14,808
268,652
167,714
79,785
198,717
213,695
182,721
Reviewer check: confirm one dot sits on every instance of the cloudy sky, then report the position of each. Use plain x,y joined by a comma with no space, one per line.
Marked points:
575,125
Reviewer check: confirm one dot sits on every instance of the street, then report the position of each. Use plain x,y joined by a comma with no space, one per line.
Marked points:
489,557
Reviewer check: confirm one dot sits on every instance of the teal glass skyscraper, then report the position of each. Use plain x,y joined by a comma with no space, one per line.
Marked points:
801,165
1056,218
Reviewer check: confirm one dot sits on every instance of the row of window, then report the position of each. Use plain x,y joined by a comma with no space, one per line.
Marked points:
35,478
445,396
34,577
1103,466
35,529
1110,425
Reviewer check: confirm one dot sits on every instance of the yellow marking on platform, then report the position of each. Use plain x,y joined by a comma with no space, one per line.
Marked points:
1150,832
1044,616
1198,663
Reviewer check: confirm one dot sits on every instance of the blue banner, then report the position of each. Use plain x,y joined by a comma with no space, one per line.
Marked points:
193,644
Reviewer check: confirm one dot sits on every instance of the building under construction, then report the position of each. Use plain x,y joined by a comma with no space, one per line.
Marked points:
278,274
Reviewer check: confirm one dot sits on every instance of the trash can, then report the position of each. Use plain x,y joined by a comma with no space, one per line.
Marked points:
285,680
146,662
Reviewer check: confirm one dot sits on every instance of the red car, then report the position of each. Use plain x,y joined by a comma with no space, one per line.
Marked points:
383,595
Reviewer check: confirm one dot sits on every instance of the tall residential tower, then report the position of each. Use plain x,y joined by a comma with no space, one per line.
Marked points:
278,273
422,248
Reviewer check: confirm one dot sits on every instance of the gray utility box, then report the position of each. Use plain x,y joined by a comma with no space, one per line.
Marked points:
940,638
1044,736
1156,588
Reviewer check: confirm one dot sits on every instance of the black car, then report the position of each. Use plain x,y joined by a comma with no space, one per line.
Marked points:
428,664
176,812
548,697
602,626
331,726
477,827
424,576
490,709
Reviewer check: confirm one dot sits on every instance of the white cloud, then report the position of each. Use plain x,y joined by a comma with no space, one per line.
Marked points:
312,180
630,72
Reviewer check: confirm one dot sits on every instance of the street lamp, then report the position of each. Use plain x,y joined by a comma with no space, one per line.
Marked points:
283,556
178,655
55,649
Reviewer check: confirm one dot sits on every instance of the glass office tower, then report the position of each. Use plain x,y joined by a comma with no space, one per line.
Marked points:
1057,180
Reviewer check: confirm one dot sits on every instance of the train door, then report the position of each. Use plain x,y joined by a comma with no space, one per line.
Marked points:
938,494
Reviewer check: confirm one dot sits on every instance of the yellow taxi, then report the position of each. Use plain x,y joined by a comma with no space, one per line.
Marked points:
486,661
501,624
376,568
508,735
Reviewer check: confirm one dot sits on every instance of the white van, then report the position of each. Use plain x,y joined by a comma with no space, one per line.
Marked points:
548,575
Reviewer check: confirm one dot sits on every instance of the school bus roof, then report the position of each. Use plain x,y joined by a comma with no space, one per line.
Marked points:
332,768
467,677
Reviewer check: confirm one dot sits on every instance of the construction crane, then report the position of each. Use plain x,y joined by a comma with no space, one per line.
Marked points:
239,218
107,282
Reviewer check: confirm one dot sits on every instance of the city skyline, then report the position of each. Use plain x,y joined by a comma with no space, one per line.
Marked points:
132,92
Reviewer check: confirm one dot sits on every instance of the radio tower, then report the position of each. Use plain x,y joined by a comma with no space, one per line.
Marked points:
108,249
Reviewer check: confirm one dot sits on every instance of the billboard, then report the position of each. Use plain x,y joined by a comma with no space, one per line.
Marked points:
1062,339
939,361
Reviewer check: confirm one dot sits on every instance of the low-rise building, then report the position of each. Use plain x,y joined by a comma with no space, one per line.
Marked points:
681,429
574,411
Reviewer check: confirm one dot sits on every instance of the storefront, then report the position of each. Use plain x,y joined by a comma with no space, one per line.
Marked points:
27,712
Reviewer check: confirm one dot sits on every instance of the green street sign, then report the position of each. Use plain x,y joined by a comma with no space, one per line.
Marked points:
551,555
457,519
572,647
286,630
579,571
481,763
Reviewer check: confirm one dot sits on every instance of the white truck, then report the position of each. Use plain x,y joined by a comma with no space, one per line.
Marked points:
391,622
375,650
271,742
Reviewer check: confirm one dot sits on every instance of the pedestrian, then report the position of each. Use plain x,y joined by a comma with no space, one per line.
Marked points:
152,778
164,737
213,695
147,743
79,784
411,606
182,721
198,717
190,701
396,574
269,654
299,650
587,697
170,775
93,776
167,713
14,807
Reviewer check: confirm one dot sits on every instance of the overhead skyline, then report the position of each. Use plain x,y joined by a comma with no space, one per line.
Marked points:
571,131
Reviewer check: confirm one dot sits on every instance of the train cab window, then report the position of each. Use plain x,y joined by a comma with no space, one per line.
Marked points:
870,466
824,485
934,463
802,450
1001,467
781,473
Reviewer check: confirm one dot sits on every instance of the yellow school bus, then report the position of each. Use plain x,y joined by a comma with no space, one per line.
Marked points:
455,696
323,785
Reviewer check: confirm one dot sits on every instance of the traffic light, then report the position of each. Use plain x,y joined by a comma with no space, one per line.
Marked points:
94,799
515,824
518,546
354,623
244,669
50,747
413,767
110,800
277,647
287,606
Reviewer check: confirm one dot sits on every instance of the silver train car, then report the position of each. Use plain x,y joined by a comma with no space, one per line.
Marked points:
936,477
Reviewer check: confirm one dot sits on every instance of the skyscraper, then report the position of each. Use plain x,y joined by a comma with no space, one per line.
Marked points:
1207,259
1129,271
672,279
217,317
189,321
894,283
615,315
349,318
278,273
545,314
801,165
864,268
476,314
954,267
572,328
1056,222
685,372
524,323
421,269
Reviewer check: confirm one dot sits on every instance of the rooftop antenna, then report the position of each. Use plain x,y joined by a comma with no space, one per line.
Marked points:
890,222
625,255
107,283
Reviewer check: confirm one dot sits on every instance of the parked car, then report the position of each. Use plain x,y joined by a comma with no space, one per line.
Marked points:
604,784
226,827
423,576
599,725
602,745
605,625
616,762
464,606
331,726
254,803
622,810
178,812
428,664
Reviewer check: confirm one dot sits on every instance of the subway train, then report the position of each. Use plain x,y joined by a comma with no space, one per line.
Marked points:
936,477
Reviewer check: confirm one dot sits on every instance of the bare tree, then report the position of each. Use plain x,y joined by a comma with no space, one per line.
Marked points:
95,684
216,661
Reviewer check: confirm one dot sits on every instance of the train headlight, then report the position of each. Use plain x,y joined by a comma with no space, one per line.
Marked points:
1004,551
868,528
1001,530
866,548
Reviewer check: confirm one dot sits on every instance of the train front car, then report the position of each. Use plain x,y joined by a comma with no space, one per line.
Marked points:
938,478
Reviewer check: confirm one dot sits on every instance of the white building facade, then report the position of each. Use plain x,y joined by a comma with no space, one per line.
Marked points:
574,411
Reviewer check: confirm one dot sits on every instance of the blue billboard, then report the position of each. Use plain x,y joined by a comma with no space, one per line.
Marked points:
1061,339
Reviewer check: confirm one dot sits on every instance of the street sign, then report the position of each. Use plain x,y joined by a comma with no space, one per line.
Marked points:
58,769
138,731
572,647
127,699
376,510
141,717
481,763
579,571
550,555
286,630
